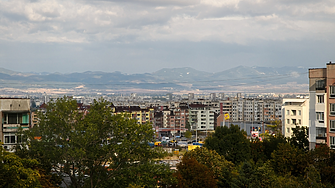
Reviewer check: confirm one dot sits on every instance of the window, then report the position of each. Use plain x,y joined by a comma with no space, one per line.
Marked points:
288,130
294,121
332,142
332,109
287,112
320,117
10,139
332,91
320,84
294,112
321,132
321,99
332,126
299,121
299,112
288,121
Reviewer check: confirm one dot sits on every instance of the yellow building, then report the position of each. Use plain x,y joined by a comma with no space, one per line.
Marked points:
142,115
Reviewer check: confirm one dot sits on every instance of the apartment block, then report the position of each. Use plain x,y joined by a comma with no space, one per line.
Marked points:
142,115
256,110
15,113
295,113
322,106
201,117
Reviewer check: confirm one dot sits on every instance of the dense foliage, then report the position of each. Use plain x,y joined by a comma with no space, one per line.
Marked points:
95,148
231,143
98,149
16,172
273,162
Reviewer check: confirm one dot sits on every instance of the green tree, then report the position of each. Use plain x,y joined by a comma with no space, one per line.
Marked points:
16,172
286,181
312,177
275,127
232,143
288,159
299,138
271,144
222,169
254,175
188,134
258,150
192,174
324,161
93,149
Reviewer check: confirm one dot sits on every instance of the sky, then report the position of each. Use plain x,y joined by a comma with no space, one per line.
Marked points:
143,36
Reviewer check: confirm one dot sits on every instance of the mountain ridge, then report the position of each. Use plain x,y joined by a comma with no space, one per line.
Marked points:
170,79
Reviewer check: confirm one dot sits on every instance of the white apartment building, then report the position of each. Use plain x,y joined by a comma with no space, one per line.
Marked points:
295,113
201,117
256,110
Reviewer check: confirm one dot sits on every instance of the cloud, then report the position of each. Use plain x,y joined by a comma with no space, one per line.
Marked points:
233,21
236,24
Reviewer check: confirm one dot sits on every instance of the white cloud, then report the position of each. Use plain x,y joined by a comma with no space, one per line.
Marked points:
172,23
233,21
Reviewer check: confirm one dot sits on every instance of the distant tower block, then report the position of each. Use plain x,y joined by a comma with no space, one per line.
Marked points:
191,96
221,95
169,96
239,95
133,95
213,96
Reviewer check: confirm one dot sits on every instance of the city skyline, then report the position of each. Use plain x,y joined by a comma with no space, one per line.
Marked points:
145,36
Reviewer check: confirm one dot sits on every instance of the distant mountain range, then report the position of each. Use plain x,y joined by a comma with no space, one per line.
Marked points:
169,80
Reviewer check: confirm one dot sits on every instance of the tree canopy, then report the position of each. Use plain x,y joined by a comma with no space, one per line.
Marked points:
16,172
96,148
232,143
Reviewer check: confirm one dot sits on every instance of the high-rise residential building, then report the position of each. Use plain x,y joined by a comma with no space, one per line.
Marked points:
221,96
256,110
322,106
201,117
213,97
191,96
15,113
295,113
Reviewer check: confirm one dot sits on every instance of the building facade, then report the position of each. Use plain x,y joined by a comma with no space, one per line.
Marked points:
322,106
295,113
15,114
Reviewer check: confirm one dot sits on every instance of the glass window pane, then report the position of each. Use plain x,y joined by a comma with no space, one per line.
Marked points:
12,139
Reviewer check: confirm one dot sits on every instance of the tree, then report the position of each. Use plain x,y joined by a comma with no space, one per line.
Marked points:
257,150
193,174
275,127
288,159
254,175
271,144
324,161
299,138
188,134
220,167
93,149
232,143
16,172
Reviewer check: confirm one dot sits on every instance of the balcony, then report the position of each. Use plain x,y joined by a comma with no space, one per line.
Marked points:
14,127
11,125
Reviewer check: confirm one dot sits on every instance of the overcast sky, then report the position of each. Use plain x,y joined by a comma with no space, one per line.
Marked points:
143,36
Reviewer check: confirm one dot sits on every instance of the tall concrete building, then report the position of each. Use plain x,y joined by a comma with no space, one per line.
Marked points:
295,113
201,117
322,106
191,96
212,96
15,113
